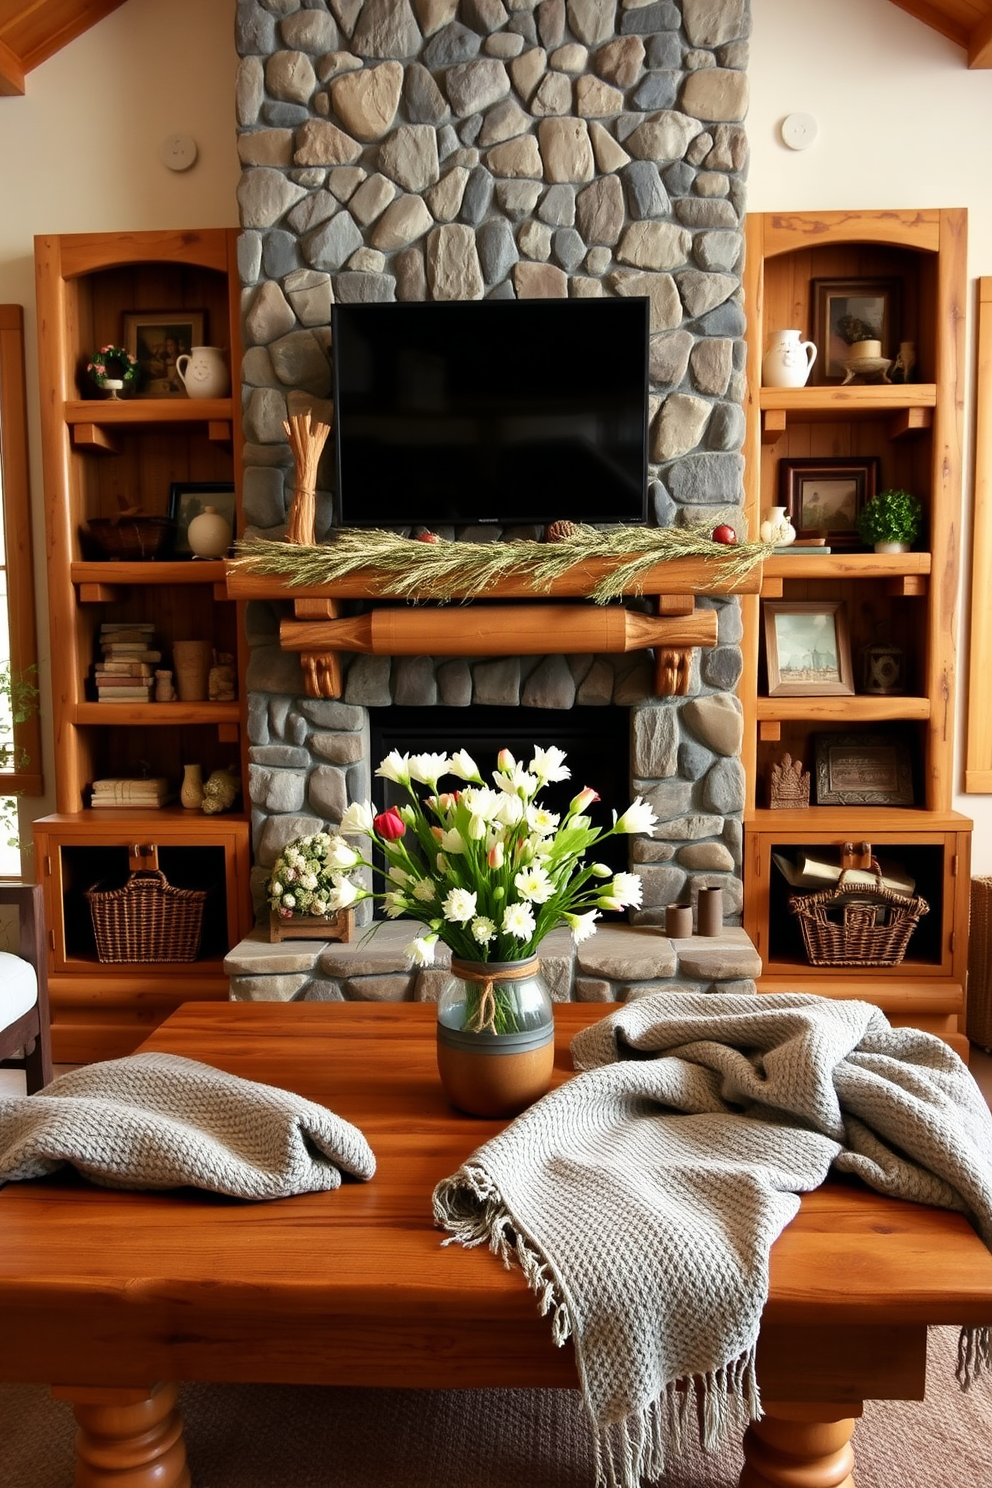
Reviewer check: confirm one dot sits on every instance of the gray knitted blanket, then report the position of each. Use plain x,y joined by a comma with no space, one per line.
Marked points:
162,1121
641,1198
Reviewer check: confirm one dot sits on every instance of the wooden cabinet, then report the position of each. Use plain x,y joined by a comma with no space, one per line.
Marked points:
100,456
104,1009
913,430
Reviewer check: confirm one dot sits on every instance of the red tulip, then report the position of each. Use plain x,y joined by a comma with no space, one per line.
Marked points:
389,825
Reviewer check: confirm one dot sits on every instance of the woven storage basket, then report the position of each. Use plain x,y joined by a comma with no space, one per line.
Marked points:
130,539
860,924
979,1016
147,920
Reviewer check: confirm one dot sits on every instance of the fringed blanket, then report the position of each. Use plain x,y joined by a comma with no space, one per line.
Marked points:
162,1121
642,1198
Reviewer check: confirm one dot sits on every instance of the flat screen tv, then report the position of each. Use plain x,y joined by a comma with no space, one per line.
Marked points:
495,411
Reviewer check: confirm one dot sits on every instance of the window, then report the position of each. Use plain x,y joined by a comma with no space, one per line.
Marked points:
20,735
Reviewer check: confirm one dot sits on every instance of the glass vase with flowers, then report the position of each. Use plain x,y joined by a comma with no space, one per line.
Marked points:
488,871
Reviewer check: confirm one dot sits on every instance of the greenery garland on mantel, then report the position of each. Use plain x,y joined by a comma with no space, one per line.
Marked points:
443,571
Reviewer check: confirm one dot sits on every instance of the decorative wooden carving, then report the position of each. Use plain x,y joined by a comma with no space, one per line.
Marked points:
788,784
673,665
321,673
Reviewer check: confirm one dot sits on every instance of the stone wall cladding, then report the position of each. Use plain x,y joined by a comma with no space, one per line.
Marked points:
615,965
469,149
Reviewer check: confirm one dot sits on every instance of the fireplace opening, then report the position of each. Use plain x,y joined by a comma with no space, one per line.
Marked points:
596,741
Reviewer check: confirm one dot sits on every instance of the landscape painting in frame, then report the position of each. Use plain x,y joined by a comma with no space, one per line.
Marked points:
807,649
824,497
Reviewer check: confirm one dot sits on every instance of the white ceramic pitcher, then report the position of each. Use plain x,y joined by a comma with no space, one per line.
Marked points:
204,373
787,361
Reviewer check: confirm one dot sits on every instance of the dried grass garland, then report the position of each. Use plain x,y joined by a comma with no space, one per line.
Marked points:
463,570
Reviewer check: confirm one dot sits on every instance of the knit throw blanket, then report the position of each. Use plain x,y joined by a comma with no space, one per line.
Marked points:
641,1198
161,1121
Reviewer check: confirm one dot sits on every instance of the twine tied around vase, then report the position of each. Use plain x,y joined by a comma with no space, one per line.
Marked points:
484,1018
307,439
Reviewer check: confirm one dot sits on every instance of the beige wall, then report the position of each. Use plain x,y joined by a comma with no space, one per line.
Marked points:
902,123
80,153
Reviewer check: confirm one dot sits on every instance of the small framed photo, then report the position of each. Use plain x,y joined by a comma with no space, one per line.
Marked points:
157,338
807,648
862,770
824,496
846,311
187,499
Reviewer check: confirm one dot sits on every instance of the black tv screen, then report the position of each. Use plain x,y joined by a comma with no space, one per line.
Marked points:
495,411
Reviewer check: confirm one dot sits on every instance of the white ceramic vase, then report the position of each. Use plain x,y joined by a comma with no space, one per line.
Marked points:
776,528
788,360
209,534
204,372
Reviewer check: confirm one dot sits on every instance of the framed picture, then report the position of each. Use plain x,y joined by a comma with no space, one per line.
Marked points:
844,307
824,496
862,770
187,499
157,338
807,648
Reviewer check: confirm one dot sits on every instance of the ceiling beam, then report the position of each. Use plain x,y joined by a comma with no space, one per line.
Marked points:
980,43
934,17
11,74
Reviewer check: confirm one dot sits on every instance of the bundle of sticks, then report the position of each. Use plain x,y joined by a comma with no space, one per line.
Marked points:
307,439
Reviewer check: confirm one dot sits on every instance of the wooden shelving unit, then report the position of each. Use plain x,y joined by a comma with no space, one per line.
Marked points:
910,599
95,453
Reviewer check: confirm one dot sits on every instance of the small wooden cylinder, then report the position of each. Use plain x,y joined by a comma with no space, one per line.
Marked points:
709,912
192,661
678,921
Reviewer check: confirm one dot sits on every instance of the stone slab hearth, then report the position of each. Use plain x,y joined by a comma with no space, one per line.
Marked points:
617,963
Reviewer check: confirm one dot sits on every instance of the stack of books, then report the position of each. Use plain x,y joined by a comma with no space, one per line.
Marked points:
126,671
141,794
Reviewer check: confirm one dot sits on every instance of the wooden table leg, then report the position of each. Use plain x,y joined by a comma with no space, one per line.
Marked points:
127,1438
800,1446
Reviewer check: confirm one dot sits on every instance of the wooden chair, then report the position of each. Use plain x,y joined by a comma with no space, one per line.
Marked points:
24,1020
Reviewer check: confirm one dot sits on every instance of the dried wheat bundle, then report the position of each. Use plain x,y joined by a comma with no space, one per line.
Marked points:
464,570
307,440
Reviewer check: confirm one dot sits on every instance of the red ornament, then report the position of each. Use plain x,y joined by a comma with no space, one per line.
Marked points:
724,534
429,537
389,825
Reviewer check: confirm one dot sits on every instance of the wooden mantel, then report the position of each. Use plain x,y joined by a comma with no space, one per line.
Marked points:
493,623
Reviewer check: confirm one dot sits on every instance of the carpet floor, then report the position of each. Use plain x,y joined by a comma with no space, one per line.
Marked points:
280,1436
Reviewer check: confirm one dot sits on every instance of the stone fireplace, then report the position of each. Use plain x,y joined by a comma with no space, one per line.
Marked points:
468,149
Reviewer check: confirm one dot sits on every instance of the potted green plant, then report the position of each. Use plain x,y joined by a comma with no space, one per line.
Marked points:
890,521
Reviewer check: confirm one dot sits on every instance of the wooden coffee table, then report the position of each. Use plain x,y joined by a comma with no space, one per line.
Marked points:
110,1297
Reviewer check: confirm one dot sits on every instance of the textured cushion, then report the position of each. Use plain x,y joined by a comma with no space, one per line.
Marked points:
18,988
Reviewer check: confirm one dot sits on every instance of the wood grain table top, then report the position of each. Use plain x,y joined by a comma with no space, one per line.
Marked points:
355,1286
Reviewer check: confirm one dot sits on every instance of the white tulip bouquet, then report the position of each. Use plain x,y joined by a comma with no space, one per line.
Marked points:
487,870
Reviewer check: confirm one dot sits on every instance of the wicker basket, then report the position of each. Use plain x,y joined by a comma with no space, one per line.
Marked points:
131,539
147,920
862,924
979,1015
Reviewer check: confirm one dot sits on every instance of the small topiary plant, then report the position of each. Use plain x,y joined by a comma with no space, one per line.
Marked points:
891,516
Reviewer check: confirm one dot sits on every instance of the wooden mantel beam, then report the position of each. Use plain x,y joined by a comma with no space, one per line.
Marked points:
498,630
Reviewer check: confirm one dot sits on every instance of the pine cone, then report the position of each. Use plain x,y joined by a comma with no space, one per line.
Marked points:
557,532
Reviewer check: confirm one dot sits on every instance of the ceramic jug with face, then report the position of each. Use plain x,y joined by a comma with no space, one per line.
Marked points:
204,373
787,361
